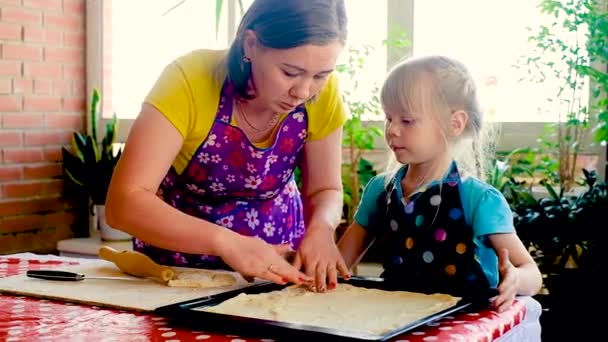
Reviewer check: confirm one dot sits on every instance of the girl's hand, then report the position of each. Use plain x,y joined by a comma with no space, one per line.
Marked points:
321,258
509,277
253,257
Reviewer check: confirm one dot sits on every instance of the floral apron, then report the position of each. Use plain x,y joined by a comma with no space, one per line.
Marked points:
232,183
428,242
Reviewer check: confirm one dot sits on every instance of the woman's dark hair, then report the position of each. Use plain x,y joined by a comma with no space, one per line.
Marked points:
284,24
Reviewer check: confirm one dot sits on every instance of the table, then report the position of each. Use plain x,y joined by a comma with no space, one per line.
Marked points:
33,319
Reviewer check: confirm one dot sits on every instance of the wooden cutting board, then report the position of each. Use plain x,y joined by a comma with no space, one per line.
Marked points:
137,294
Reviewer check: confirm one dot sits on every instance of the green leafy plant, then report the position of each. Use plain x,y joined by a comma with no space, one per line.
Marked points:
90,164
505,173
561,56
566,236
358,135
562,228
592,206
595,17
524,166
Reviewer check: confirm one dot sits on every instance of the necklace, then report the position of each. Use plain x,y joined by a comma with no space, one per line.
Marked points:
270,123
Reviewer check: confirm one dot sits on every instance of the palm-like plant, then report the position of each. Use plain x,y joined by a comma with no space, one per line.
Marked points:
89,166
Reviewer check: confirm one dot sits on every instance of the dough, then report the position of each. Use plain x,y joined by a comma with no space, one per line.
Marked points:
346,308
202,279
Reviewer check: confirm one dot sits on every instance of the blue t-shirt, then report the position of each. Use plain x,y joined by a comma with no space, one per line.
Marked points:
485,209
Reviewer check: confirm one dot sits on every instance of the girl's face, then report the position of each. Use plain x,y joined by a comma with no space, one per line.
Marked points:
284,79
414,138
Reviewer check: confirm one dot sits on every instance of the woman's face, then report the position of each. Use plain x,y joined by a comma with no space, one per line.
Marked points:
285,78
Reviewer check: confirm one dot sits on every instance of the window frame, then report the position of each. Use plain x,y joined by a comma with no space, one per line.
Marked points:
512,134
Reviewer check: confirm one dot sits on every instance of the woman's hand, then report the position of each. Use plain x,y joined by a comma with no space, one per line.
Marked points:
321,258
509,277
253,257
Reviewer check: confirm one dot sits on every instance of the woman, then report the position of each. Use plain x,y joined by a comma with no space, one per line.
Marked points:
206,176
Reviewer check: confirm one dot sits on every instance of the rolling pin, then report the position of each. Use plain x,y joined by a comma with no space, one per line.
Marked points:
137,264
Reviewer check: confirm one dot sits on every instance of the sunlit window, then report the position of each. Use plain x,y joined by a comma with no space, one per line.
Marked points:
367,26
146,38
489,36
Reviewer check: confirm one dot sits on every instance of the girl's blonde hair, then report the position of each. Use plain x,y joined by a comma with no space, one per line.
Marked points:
441,86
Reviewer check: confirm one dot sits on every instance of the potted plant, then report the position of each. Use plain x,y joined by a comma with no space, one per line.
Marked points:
558,225
563,229
513,174
89,167
358,135
570,62
566,234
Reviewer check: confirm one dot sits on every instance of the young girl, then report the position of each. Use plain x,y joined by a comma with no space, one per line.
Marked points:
439,227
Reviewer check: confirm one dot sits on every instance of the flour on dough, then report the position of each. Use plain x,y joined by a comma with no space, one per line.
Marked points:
346,308
202,279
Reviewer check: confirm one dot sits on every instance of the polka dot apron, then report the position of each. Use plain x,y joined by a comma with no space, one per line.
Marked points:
428,243
232,183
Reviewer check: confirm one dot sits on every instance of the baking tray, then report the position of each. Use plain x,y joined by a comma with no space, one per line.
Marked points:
185,314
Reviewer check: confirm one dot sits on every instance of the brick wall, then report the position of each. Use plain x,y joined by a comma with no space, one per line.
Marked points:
42,101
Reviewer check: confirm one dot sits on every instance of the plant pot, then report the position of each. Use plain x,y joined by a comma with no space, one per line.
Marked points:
107,232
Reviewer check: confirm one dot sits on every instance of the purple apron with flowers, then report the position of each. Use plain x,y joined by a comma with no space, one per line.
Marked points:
232,183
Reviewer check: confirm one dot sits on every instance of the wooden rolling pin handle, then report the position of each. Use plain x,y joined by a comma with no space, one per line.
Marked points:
136,264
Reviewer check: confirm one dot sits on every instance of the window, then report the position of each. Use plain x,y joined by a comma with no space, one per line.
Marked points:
146,38
488,36
483,34
144,44
366,27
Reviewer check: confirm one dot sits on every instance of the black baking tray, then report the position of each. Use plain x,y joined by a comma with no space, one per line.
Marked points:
185,314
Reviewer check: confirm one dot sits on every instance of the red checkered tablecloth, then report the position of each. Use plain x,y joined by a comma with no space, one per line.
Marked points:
33,319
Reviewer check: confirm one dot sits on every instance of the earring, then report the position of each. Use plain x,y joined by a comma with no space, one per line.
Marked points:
246,59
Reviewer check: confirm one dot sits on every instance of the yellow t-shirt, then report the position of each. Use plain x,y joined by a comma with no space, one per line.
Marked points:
188,90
